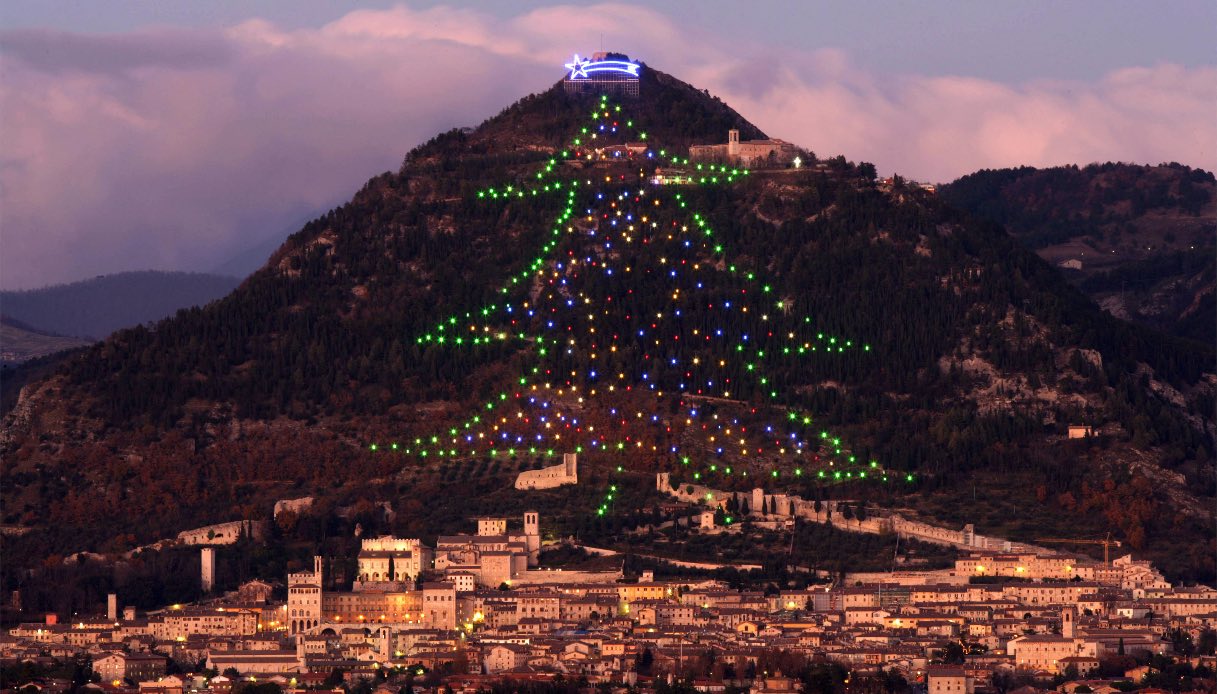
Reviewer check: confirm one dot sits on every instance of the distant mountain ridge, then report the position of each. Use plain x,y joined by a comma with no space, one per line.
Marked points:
1139,240
93,309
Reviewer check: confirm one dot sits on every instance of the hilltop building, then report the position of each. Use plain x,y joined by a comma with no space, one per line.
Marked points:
603,73
746,152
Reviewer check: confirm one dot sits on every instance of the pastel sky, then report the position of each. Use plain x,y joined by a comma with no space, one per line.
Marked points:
152,134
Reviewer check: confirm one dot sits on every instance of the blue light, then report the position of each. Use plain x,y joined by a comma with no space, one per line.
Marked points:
579,68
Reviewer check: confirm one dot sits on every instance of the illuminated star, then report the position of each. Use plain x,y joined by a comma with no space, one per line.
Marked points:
578,68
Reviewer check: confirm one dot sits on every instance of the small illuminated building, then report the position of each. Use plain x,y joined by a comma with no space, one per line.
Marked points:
669,177
603,73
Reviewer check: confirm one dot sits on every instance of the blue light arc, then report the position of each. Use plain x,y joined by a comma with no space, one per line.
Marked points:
584,69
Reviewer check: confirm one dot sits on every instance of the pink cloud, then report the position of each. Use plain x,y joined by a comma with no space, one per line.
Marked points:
173,149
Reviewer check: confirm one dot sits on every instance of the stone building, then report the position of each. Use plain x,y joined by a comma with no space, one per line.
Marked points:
304,598
566,472
136,667
392,559
746,152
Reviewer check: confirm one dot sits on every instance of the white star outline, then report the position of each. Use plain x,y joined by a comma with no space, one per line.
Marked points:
578,68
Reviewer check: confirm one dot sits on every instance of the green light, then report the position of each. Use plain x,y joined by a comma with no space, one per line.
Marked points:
373,447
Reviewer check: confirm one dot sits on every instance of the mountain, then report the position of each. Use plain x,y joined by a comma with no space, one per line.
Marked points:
508,296
95,308
242,263
1139,240
20,342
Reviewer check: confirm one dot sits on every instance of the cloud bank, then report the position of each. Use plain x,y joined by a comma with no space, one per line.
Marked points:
174,149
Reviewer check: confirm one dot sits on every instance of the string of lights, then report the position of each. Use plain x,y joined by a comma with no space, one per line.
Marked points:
572,310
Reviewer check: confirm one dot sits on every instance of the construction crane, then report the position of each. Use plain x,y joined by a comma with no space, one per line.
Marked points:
1107,542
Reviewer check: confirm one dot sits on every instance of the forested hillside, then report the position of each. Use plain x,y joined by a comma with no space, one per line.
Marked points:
20,342
504,298
1139,240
